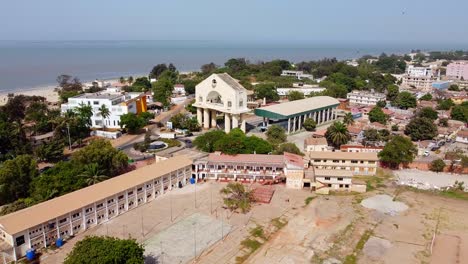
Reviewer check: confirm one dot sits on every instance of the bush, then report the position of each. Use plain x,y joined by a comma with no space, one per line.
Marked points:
437,165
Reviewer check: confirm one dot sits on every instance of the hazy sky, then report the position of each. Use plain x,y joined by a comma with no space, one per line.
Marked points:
392,21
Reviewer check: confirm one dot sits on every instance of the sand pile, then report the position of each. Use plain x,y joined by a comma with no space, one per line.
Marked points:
385,204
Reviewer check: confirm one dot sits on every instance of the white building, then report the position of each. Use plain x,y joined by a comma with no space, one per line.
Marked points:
316,144
420,78
298,74
117,103
306,89
179,89
365,98
220,93
414,71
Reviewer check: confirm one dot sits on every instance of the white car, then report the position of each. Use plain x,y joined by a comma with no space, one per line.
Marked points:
426,153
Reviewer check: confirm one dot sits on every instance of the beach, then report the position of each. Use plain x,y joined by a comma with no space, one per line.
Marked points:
46,91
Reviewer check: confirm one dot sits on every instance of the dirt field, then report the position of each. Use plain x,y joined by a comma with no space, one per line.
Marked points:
330,229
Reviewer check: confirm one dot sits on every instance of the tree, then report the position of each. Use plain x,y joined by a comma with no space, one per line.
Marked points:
426,97
189,85
132,123
257,145
267,91
208,68
405,100
121,80
421,128
233,143
309,124
428,112
381,104
371,136
84,113
437,165
460,113
51,152
288,147
237,197
94,249
276,135
158,70
337,134
162,90
445,104
399,150
93,174
15,177
295,95
184,121
207,141
392,92
69,87
110,161
141,84
395,127
130,80
454,87
348,119
105,113
377,115
443,122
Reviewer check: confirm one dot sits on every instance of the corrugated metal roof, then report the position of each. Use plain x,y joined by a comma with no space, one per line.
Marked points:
21,220
298,107
338,155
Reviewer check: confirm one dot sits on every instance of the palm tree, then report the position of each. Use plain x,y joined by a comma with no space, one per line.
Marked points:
93,174
122,80
84,113
348,119
105,113
130,80
337,134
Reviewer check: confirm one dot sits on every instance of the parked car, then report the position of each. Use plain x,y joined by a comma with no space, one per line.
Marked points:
435,148
441,143
426,153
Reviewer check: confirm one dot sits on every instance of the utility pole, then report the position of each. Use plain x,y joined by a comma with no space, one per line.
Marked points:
69,139
170,202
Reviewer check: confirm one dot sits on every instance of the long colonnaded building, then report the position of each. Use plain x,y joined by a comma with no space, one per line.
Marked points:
291,115
41,225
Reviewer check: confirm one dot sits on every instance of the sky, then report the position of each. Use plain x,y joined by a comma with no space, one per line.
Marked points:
301,21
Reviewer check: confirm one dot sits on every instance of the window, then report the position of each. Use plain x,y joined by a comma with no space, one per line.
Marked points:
139,189
346,186
63,220
327,178
340,179
130,193
241,103
229,104
341,185
19,240
336,161
120,197
329,185
317,160
354,161
95,102
99,205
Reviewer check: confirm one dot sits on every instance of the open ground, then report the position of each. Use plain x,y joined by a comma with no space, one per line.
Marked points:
296,227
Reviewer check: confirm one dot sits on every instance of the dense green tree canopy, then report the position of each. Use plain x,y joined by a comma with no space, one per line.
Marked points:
426,97
106,250
392,92
295,95
162,91
276,135
399,150
288,147
460,113
15,176
309,124
267,91
405,100
132,123
437,165
377,115
184,121
206,142
445,104
100,151
428,112
421,128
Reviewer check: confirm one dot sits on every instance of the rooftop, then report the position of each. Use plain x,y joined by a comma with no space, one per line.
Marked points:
43,212
233,83
295,108
462,133
343,155
246,158
100,95
315,141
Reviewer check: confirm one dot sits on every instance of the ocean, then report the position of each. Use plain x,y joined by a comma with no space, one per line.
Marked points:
27,64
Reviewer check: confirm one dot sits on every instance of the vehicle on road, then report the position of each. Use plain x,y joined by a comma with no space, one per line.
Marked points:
426,153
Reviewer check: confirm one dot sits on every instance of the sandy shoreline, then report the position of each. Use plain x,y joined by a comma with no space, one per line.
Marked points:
46,91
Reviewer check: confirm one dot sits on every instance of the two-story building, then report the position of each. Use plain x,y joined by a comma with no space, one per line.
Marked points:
118,104
359,163
365,98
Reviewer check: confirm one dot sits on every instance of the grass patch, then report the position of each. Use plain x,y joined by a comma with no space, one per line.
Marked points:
278,223
251,244
308,200
453,194
258,232
170,142
351,258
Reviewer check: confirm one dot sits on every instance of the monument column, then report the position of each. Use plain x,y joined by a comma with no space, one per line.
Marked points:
213,118
200,116
206,118
227,123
